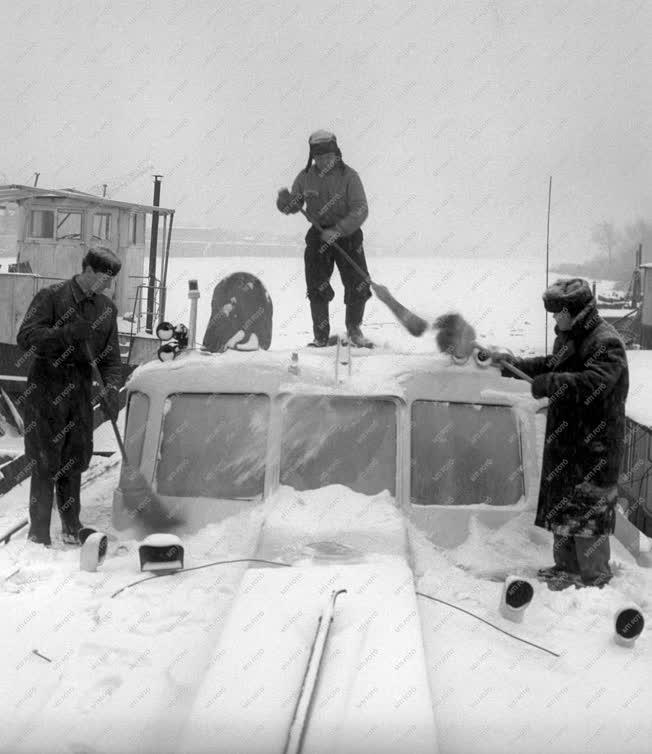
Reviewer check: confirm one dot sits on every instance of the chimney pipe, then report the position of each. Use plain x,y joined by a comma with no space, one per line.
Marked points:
152,256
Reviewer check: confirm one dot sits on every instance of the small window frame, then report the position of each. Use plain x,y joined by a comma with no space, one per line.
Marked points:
70,237
107,219
30,224
134,228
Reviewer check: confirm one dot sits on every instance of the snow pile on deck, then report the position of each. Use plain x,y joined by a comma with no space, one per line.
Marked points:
332,519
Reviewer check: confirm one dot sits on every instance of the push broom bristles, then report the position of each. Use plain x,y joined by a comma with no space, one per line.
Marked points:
147,510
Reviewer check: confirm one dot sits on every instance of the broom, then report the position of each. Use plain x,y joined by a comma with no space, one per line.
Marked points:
139,498
457,337
414,324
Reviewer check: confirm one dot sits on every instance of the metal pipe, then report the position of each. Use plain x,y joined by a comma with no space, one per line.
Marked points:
160,290
153,243
164,276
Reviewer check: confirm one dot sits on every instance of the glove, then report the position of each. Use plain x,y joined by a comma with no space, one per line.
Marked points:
111,401
283,200
541,385
330,235
77,331
497,356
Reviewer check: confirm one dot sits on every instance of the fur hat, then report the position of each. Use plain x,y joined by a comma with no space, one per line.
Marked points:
572,295
322,142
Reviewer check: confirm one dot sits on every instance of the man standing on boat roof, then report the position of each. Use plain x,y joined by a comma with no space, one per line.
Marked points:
64,323
335,201
586,380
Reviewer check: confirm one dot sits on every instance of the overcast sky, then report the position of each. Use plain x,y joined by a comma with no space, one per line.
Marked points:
455,114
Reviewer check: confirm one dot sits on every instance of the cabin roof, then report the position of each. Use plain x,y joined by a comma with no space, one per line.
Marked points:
382,373
16,193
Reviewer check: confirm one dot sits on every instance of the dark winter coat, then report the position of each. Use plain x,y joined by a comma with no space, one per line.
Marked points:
58,414
586,381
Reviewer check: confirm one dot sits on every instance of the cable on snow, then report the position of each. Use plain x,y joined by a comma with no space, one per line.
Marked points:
199,567
473,615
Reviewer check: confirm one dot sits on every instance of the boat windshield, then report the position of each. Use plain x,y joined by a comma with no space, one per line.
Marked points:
329,439
213,445
465,453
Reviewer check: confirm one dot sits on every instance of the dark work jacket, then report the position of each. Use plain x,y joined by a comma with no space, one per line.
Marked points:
586,380
58,414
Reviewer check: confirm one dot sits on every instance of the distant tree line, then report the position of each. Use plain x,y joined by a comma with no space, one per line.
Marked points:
616,257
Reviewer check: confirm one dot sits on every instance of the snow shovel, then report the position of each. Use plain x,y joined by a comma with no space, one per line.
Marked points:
139,497
412,322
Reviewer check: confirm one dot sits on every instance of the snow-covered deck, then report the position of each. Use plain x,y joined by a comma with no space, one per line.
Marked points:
639,400
124,672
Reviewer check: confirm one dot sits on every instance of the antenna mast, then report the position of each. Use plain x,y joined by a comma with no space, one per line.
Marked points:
548,254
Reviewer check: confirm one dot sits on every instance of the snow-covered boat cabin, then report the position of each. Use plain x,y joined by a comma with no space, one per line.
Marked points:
214,433
53,230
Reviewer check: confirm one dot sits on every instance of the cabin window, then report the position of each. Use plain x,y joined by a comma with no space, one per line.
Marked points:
41,223
213,445
339,440
137,413
134,229
465,453
102,226
69,225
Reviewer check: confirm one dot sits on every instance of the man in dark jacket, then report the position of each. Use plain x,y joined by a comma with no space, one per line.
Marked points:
586,381
66,325
335,200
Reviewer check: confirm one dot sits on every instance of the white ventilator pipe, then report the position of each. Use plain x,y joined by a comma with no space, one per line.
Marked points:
193,295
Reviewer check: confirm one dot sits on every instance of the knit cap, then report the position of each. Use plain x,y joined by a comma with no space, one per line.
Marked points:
572,295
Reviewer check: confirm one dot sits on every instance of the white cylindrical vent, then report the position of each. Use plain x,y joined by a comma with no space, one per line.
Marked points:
628,625
515,598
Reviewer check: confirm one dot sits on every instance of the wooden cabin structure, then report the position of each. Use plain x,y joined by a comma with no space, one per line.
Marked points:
54,230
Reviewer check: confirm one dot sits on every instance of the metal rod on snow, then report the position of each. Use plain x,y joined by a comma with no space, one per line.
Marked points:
301,714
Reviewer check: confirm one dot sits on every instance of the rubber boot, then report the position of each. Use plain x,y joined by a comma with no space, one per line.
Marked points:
41,494
320,322
353,320
68,491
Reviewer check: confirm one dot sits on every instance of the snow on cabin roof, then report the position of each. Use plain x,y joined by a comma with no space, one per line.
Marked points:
17,193
380,372
639,406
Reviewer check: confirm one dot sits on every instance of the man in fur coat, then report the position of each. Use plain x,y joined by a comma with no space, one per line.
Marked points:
586,381
65,325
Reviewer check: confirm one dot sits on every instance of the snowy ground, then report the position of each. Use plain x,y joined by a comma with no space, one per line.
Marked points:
118,674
